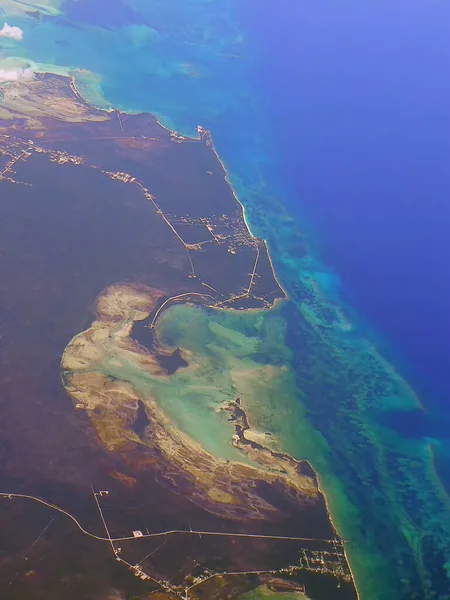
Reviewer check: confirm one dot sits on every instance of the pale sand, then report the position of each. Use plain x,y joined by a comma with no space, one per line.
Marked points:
112,404
40,98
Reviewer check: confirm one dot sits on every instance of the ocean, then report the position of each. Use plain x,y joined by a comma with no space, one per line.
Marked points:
365,113
362,103
332,121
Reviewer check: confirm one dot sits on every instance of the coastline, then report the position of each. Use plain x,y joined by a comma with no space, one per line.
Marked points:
202,133
334,527
244,216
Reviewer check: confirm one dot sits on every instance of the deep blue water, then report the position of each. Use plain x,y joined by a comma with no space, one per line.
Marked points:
360,96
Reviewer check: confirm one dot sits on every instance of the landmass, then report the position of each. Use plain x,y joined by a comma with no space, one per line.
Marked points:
119,441
93,369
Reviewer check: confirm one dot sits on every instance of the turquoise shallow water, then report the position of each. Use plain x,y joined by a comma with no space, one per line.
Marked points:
190,63
233,355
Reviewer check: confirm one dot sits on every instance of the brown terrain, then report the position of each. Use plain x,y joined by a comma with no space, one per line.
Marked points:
107,220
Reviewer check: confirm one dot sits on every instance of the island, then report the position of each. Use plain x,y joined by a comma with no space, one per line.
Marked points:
142,387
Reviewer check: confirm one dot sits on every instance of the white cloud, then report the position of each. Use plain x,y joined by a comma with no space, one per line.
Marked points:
17,75
11,32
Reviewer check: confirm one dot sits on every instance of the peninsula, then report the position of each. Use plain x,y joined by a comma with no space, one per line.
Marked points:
143,385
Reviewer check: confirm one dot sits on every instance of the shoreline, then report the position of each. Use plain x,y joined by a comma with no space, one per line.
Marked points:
202,133
109,335
335,529
244,216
